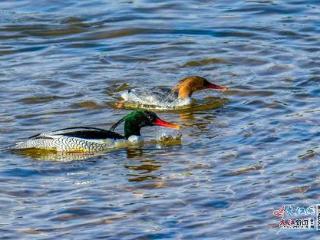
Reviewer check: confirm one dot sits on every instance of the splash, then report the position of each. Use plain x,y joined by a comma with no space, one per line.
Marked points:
154,99
168,104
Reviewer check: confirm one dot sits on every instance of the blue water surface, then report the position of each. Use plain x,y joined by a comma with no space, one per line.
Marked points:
62,63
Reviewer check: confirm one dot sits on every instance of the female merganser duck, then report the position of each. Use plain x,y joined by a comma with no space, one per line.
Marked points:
166,98
89,139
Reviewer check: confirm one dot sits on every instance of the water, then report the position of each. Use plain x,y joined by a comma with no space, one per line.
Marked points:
62,63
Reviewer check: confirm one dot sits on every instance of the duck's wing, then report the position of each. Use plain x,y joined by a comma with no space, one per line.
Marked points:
87,133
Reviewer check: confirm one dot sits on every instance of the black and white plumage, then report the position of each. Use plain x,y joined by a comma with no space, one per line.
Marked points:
77,139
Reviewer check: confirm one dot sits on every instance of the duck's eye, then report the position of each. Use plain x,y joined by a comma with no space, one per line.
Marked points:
150,118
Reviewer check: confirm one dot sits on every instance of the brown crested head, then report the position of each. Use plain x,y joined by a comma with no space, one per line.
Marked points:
188,85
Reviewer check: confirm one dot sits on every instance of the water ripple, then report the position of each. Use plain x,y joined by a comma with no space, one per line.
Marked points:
63,63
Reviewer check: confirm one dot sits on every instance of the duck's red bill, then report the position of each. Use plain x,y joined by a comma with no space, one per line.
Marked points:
162,123
217,87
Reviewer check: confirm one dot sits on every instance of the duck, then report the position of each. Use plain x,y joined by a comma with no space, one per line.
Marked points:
165,97
91,139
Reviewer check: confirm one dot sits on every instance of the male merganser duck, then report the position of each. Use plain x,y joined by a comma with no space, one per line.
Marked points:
166,98
89,139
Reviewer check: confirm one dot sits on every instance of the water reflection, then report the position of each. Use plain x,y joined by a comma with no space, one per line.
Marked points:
134,152
141,169
242,154
46,155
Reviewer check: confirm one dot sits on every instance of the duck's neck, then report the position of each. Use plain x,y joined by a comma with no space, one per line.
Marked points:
184,91
131,128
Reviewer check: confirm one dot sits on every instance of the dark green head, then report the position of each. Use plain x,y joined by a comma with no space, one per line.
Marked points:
135,120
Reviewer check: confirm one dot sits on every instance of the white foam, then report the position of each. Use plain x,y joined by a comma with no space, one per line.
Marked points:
153,99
